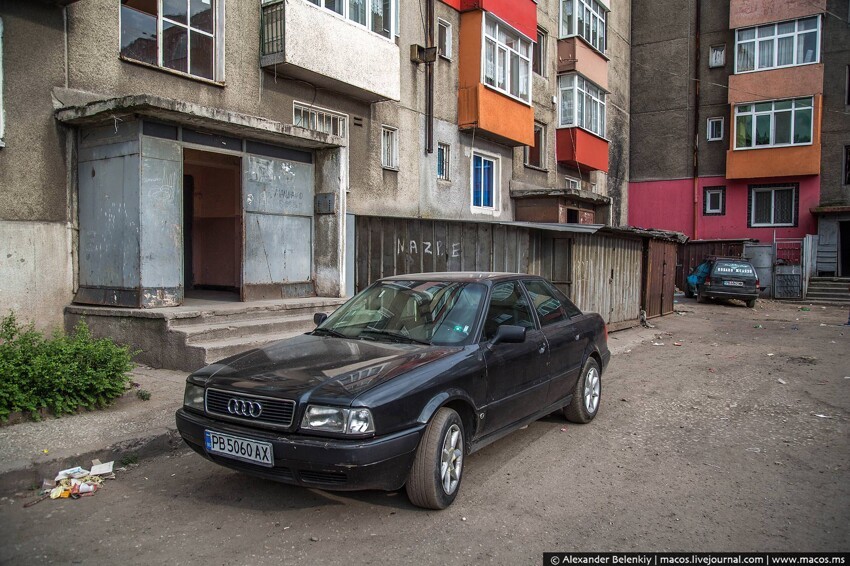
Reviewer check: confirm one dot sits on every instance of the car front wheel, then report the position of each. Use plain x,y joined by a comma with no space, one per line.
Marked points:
434,479
587,394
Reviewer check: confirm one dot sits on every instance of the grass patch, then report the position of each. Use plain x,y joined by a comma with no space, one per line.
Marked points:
60,374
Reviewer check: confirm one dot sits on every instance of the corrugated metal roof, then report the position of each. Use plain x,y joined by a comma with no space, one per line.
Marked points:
553,227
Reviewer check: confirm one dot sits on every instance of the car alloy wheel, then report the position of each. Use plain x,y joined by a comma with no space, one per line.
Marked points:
434,479
587,394
592,389
451,464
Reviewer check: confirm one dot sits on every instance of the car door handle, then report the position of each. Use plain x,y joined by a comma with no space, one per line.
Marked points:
541,349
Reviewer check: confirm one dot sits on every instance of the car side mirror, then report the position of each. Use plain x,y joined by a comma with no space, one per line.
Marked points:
319,318
509,333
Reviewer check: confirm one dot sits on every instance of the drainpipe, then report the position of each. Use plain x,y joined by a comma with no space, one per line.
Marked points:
429,82
696,117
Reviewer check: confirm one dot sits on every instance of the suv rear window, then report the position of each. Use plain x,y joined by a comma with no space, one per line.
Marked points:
733,268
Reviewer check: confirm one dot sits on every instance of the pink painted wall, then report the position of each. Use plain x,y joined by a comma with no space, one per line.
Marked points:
668,205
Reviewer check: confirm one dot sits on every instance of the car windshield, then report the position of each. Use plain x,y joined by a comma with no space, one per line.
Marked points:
428,312
733,268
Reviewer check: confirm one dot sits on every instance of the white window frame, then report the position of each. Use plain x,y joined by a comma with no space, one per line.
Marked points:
594,35
502,48
2,107
217,37
762,34
708,124
321,114
539,50
497,172
585,92
445,51
446,150
573,183
527,149
754,114
719,48
772,190
707,209
389,147
367,5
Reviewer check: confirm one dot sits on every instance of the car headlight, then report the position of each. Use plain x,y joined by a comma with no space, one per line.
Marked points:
334,419
193,397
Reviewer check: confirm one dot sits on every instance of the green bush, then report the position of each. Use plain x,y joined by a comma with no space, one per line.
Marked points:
62,373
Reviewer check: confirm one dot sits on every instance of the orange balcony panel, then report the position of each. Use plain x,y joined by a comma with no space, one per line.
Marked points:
776,84
574,55
581,149
745,13
519,14
495,116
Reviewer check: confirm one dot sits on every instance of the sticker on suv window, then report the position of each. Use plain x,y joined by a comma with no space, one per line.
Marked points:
734,269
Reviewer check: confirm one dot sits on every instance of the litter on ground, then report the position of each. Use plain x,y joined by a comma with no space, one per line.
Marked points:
76,482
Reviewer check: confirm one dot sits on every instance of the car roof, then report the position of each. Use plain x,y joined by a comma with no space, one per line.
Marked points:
460,276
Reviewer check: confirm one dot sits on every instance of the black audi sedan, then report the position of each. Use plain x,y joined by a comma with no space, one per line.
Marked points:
400,384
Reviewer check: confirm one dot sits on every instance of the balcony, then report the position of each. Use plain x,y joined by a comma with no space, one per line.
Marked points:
306,42
519,14
776,84
581,149
745,13
575,55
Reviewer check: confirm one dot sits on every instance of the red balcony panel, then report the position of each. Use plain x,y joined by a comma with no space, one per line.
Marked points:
519,14
581,149
453,3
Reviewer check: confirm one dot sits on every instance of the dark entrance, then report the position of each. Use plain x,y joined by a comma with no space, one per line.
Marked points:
844,249
212,223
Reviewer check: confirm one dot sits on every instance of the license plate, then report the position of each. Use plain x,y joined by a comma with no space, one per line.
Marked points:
734,283
239,448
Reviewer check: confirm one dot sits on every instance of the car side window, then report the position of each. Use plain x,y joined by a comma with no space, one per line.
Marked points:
549,308
508,305
569,306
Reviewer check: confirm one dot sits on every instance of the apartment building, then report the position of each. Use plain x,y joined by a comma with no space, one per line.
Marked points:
170,148
728,116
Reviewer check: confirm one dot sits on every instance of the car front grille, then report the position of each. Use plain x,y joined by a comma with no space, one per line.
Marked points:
334,478
277,413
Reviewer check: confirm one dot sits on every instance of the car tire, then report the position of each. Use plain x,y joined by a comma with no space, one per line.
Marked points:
751,303
700,296
688,293
437,471
586,395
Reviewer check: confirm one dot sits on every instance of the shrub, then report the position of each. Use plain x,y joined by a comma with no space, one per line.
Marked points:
62,373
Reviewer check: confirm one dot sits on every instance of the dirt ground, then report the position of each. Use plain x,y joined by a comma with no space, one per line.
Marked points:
736,439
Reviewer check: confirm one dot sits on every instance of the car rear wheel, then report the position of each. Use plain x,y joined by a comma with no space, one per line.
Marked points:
700,296
587,394
434,479
751,303
688,293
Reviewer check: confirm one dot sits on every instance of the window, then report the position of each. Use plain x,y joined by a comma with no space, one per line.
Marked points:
573,184
319,120
717,56
777,45
535,156
773,205
2,114
444,39
549,308
714,129
444,161
538,61
507,60
847,164
773,123
485,181
378,16
389,147
582,104
714,201
585,18
180,35
847,88
508,305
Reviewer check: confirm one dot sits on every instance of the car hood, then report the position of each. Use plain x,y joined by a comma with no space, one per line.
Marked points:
325,367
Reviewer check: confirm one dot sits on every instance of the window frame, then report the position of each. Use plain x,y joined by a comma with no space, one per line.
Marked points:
217,35
2,105
495,189
391,133
367,11
599,14
722,48
446,149
538,53
708,124
499,47
754,114
306,107
706,192
447,52
538,126
846,176
751,205
580,84
757,40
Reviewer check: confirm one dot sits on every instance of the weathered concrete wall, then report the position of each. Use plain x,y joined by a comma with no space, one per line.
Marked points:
836,119
618,105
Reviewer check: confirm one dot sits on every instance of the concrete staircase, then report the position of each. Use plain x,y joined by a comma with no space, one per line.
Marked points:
829,290
190,337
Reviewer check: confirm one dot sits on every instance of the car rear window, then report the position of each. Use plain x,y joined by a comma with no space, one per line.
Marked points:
733,268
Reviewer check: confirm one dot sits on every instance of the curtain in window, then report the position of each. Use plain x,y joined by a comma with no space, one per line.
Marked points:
357,11
567,17
785,51
477,166
783,206
762,204
743,131
490,62
487,183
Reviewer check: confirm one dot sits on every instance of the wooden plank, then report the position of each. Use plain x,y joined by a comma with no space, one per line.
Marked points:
499,248
453,246
467,246
376,249
511,249
523,241
362,252
388,248
441,246
484,248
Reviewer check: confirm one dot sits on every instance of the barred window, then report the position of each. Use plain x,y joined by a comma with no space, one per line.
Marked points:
389,147
319,120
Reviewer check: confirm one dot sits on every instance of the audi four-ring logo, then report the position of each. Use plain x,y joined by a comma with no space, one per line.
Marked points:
244,408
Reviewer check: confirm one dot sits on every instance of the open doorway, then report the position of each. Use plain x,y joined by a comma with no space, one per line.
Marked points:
212,225
844,249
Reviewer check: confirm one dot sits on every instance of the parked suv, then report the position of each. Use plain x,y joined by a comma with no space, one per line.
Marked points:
724,278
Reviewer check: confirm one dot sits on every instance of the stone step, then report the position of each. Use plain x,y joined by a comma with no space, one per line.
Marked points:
234,329
255,310
826,295
220,349
838,288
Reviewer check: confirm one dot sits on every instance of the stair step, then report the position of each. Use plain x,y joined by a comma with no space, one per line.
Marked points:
220,349
234,329
256,310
